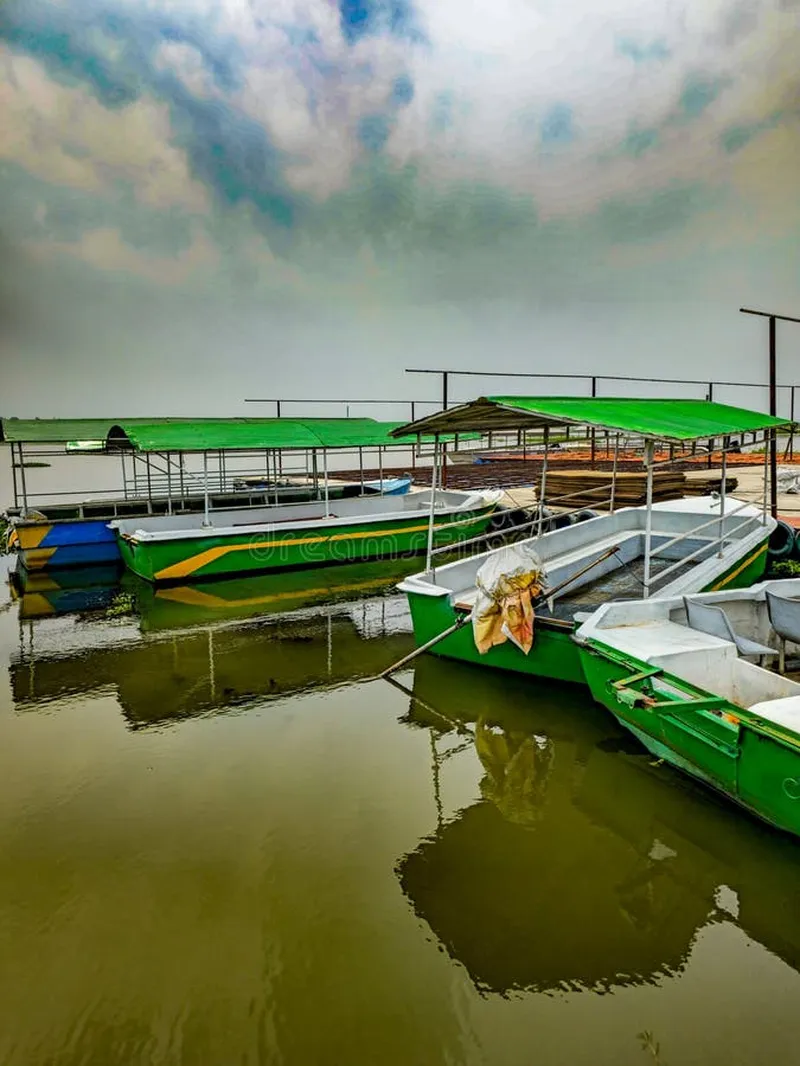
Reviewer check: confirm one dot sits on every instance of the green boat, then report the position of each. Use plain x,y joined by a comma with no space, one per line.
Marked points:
678,674
669,548
183,548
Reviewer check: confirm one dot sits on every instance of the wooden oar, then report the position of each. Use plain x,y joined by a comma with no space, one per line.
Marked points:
468,617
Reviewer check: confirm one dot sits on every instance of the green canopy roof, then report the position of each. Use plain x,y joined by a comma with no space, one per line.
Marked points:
244,434
201,434
669,420
58,430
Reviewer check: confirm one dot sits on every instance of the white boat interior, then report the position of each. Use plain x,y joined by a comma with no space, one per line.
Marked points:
692,544
658,632
298,515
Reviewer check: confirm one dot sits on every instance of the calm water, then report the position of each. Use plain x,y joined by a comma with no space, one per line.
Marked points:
222,843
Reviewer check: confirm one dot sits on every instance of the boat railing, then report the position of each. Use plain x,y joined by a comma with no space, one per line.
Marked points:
708,546
517,528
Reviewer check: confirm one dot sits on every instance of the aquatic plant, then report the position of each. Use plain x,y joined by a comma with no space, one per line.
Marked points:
785,568
121,606
651,1046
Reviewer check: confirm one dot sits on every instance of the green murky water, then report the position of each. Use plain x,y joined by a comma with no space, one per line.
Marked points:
222,843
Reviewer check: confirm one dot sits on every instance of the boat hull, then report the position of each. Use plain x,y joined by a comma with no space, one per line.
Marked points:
752,762
54,545
554,654
175,560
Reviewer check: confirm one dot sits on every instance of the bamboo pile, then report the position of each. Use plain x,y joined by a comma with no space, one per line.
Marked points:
592,488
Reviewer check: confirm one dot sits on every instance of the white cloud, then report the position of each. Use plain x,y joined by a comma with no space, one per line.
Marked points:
104,249
65,136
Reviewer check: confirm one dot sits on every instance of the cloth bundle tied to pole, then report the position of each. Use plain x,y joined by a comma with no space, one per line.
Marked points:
508,583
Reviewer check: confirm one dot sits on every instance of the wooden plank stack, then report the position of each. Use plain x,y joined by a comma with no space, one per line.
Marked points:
704,486
592,488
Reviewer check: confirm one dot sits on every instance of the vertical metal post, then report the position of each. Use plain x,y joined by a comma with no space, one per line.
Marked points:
149,483
594,438
773,410
278,408
766,477
14,472
22,477
325,473
649,448
722,493
443,446
414,446
124,474
543,484
181,465
315,472
361,468
711,442
429,556
169,484
614,475
380,468
206,521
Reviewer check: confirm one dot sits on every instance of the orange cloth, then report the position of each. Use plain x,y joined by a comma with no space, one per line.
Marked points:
504,604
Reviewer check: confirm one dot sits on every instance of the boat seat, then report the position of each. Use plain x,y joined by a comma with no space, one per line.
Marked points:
714,621
465,600
785,712
784,617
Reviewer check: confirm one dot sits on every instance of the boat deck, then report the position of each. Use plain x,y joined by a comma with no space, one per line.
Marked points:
623,584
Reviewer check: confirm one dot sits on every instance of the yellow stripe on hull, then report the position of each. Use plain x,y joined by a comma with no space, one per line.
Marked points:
196,562
742,566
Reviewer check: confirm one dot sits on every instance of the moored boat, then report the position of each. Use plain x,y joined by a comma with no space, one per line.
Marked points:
182,547
678,673
665,549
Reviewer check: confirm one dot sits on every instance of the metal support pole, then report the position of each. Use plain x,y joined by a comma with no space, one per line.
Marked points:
766,477
429,559
206,520
594,437
443,446
722,500
543,484
315,472
361,468
14,473
149,483
773,410
325,472
614,475
22,478
169,484
380,468
649,448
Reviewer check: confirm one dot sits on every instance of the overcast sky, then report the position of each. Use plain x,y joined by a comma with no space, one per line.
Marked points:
204,200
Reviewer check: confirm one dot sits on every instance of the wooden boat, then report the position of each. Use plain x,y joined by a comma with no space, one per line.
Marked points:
183,547
665,549
697,700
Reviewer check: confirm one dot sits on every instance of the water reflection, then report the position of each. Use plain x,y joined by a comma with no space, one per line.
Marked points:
583,865
164,677
45,593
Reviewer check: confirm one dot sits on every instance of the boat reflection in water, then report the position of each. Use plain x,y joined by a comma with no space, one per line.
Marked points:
168,676
45,593
249,597
583,866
